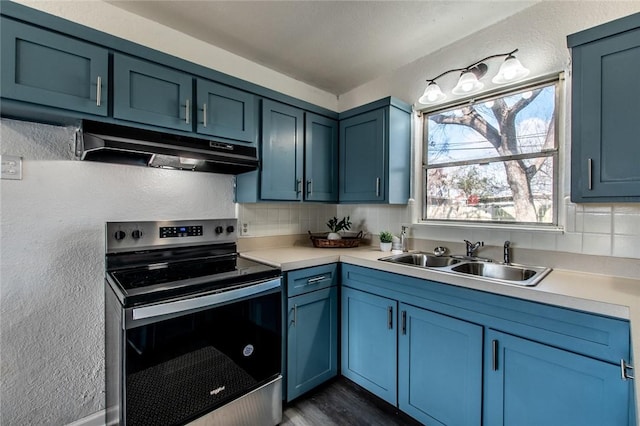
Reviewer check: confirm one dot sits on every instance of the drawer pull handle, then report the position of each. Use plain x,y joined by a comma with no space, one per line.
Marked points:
494,355
390,317
623,370
377,187
309,188
298,186
99,91
404,322
295,315
315,280
186,111
204,115
590,173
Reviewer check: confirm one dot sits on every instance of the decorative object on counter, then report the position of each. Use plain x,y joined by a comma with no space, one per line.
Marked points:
386,239
469,82
321,240
336,226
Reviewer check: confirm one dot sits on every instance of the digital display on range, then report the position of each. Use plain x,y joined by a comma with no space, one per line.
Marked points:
180,231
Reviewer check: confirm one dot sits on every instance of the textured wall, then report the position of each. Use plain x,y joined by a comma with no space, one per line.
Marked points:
52,264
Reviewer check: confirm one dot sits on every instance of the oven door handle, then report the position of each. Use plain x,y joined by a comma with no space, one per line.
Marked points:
204,301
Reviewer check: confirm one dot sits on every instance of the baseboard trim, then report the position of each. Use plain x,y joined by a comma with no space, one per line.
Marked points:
95,419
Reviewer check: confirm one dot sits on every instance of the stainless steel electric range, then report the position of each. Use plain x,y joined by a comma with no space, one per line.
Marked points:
193,331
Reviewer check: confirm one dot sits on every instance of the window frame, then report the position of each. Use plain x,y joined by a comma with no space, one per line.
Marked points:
556,79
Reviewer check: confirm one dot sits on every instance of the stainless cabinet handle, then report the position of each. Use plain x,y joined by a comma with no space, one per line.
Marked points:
309,188
315,280
404,322
377,187
186,111
99,91
298,186
204,115
623,370
390,316
494,355
590,173
295,315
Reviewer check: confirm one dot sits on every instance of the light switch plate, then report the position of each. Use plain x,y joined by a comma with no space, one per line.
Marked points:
11,167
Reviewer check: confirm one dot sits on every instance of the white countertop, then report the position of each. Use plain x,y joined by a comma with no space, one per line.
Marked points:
611,296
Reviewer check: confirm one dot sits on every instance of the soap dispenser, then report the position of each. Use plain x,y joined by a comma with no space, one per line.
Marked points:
403,239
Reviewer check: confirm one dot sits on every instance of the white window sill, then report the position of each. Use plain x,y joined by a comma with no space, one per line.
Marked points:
497,226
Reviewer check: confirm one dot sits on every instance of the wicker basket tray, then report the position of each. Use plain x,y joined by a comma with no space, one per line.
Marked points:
321,241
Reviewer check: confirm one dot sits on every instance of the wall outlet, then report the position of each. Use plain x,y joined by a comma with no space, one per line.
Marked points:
245,230
11,167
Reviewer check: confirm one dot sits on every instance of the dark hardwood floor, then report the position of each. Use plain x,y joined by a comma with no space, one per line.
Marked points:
342,402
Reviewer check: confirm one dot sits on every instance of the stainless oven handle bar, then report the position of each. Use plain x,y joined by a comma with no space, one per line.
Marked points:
203,301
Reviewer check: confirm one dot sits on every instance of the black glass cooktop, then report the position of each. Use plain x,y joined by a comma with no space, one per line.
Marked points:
165,280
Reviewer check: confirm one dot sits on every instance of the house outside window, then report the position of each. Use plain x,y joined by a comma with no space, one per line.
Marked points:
494,160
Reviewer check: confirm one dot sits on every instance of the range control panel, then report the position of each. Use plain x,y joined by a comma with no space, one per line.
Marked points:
131,236
180,231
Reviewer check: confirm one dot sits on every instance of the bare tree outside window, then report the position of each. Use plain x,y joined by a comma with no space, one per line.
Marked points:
494,160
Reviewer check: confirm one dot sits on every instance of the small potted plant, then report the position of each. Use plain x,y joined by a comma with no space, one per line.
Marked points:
386,238
336,226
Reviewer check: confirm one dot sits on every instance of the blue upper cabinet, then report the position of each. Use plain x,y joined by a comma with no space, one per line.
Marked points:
225,112
531,384
605,104
321,159
299,158
46,68
375,153
439,368
282,152
148,93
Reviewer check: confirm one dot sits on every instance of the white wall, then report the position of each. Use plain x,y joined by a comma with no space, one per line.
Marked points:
52,258
112,20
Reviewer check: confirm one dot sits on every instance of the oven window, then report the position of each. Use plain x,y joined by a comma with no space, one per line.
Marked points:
181,368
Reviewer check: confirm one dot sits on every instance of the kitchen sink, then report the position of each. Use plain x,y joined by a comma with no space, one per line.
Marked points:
505,273
422,259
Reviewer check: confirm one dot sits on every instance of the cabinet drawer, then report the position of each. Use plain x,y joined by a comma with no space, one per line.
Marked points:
311,279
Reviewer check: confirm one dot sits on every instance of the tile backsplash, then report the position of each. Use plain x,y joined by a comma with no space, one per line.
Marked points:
600,229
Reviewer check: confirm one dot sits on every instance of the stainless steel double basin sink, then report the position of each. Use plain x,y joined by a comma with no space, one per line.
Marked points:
467,266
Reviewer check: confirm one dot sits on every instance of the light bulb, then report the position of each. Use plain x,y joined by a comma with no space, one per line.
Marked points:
432,94
467,84
510,70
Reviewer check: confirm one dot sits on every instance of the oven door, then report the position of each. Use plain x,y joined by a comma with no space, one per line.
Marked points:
185,358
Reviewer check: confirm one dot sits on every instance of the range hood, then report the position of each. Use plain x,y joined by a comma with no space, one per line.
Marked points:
126,145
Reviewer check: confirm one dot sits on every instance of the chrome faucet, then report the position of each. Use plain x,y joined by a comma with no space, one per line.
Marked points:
472,247
507,253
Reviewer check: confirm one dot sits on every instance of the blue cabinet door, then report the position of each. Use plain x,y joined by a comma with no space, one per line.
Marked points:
439,368
321,158
362,158
369,356
46,68
282,152
148,93
531,384
605,124
312,340
225,112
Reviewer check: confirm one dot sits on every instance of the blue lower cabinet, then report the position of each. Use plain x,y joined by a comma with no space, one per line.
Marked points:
531,384
369,332
312,340
439,368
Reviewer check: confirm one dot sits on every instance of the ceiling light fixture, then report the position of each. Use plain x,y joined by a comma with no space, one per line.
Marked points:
469,82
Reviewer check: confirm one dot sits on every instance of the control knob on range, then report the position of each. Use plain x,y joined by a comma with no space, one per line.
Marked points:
136,234
119,235
230,229
218,230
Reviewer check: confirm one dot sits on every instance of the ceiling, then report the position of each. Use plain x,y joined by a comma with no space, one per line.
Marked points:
332,45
